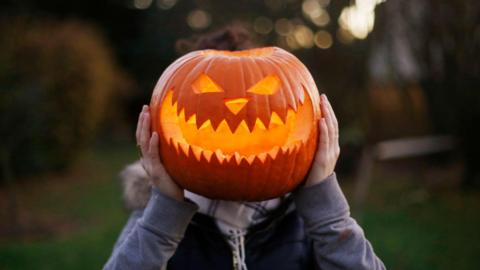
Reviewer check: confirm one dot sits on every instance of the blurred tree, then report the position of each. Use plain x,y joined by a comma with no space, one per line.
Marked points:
120,23
56,82
437,43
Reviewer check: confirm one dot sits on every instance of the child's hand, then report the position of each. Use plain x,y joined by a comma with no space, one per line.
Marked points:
148,144
328,148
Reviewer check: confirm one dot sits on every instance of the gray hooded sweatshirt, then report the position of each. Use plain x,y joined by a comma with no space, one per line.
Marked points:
155,229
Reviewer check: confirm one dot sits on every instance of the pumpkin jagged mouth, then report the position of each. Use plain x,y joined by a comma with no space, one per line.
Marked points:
242,143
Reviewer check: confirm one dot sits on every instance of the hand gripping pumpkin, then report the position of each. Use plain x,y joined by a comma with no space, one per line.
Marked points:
237,125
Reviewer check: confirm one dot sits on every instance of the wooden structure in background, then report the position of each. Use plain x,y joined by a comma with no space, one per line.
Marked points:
395,149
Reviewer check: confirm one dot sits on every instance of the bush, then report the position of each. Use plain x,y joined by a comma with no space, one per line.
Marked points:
56,81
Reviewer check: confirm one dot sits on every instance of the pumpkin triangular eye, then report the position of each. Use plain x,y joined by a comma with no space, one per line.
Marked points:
204,84
267,86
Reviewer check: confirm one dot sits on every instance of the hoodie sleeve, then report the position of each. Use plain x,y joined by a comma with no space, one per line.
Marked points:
338,241
151,236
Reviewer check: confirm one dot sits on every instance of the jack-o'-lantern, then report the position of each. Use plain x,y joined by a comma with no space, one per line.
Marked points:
237,125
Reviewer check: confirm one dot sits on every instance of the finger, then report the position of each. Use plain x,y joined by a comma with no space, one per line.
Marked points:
144,166
324,136
148,123
155,156
328,117
153,147
333,117
139,126
145,133
334,139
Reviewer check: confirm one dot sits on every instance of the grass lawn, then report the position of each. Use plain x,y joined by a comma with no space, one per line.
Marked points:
84,209
412,229
81,215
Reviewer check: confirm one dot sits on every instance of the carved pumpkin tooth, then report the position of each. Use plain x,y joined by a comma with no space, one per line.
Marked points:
292,104
220,156
201,117
215,124
266,120
184,148
283,115
244,162
298,145
182,112
289,149
242,128
233,127
233,124
179,108
169,97
273,152
262,157
238,158
189,114
174,143
250,159
223,127
175,95
192,120
181,115
175,108
259,125
197,152
228,158
207,154
293,149
250,124
204,125
276,120
214,160
257,162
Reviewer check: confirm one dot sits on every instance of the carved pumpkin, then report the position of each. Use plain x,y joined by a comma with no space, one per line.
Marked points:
238,125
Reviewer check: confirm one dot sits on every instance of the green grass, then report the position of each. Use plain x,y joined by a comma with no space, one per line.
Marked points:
409,226
86,208
413,228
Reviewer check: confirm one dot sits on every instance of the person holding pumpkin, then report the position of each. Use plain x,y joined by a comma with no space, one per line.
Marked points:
172,228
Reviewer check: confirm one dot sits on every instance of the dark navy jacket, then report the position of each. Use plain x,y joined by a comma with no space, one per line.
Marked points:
204,248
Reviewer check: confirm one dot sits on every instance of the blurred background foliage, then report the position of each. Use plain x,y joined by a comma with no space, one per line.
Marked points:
74,74
57,80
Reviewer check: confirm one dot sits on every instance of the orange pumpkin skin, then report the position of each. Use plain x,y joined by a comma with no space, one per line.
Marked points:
239,125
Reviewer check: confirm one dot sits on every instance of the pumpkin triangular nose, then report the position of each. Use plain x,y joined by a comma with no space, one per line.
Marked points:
236,104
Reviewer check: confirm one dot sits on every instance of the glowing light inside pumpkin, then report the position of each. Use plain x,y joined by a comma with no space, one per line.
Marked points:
267,86
236,105
241,143
203,84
